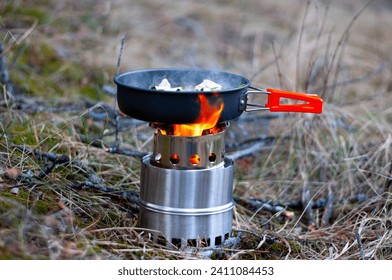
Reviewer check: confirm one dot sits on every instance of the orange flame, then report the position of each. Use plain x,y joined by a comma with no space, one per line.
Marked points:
208,118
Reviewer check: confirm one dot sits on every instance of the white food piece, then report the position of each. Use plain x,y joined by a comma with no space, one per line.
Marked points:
208,85
165,85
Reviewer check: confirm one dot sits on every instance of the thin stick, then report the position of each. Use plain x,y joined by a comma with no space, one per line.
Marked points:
120,54
116,115
388,180
358,237
129,195
354,80
252,150
342,39
308,201
127,152
328,207
298,62
269,206
313,53
23,37
4,75
264,67
277,65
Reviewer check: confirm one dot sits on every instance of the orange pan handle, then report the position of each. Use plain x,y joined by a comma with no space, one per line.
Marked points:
312,103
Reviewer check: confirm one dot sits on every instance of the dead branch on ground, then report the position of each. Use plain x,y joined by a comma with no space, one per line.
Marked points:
260,205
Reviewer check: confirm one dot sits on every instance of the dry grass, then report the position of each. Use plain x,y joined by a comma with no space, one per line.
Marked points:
63,53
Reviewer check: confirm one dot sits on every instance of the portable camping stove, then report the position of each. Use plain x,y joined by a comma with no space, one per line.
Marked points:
186,189
186,183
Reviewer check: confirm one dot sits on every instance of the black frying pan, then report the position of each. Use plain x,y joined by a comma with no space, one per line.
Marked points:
137,99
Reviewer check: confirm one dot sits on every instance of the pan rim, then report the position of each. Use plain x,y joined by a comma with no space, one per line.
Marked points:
118,82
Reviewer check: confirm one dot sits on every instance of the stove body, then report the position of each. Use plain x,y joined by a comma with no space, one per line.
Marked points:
186,190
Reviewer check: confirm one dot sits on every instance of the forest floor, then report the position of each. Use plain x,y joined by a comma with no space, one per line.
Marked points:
312,187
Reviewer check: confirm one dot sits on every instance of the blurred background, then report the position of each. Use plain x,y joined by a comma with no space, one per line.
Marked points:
61,58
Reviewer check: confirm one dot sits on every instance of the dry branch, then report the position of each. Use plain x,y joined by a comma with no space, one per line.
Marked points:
52,159
127,152
259,205
328,207
308,203
4,75
130,196
359,242
261,144
93,182
388,180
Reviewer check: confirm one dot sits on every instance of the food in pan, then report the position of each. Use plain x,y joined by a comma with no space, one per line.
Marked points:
206,85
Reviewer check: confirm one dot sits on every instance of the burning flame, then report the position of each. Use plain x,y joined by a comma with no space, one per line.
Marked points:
208,118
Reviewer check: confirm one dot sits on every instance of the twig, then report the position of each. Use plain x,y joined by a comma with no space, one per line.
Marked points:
233,242
25,34
263,144
308,203
388,180
342,39
312,70
328,208
116,115
297,72
4,75
120,53
109,90
266,140
131,196
264,67
359,242
33,106
277,65
322,202
56,159
127,152
259,205
270,239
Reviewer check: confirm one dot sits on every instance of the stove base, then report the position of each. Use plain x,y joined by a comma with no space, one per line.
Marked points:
187,207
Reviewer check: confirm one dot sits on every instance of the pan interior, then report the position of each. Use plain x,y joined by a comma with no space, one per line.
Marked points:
186,78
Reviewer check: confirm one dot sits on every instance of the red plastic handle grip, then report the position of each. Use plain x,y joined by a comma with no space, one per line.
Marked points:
314,104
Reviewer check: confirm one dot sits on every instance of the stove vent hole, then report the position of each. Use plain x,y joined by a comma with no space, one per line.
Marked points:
212,157
194,159
192,242
161,240
176,242
174,159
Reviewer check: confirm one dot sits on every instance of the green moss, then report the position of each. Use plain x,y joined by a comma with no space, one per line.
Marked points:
25,10
22,132
278,247
92,92
5,254
296,247
20,197
41,207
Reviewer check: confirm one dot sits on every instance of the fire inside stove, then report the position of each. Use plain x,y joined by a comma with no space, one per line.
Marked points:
186,183
204,124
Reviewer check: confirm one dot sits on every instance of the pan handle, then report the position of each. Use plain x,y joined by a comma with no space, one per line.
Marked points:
312,102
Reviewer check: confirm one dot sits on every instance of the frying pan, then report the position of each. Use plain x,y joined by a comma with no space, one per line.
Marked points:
137,99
